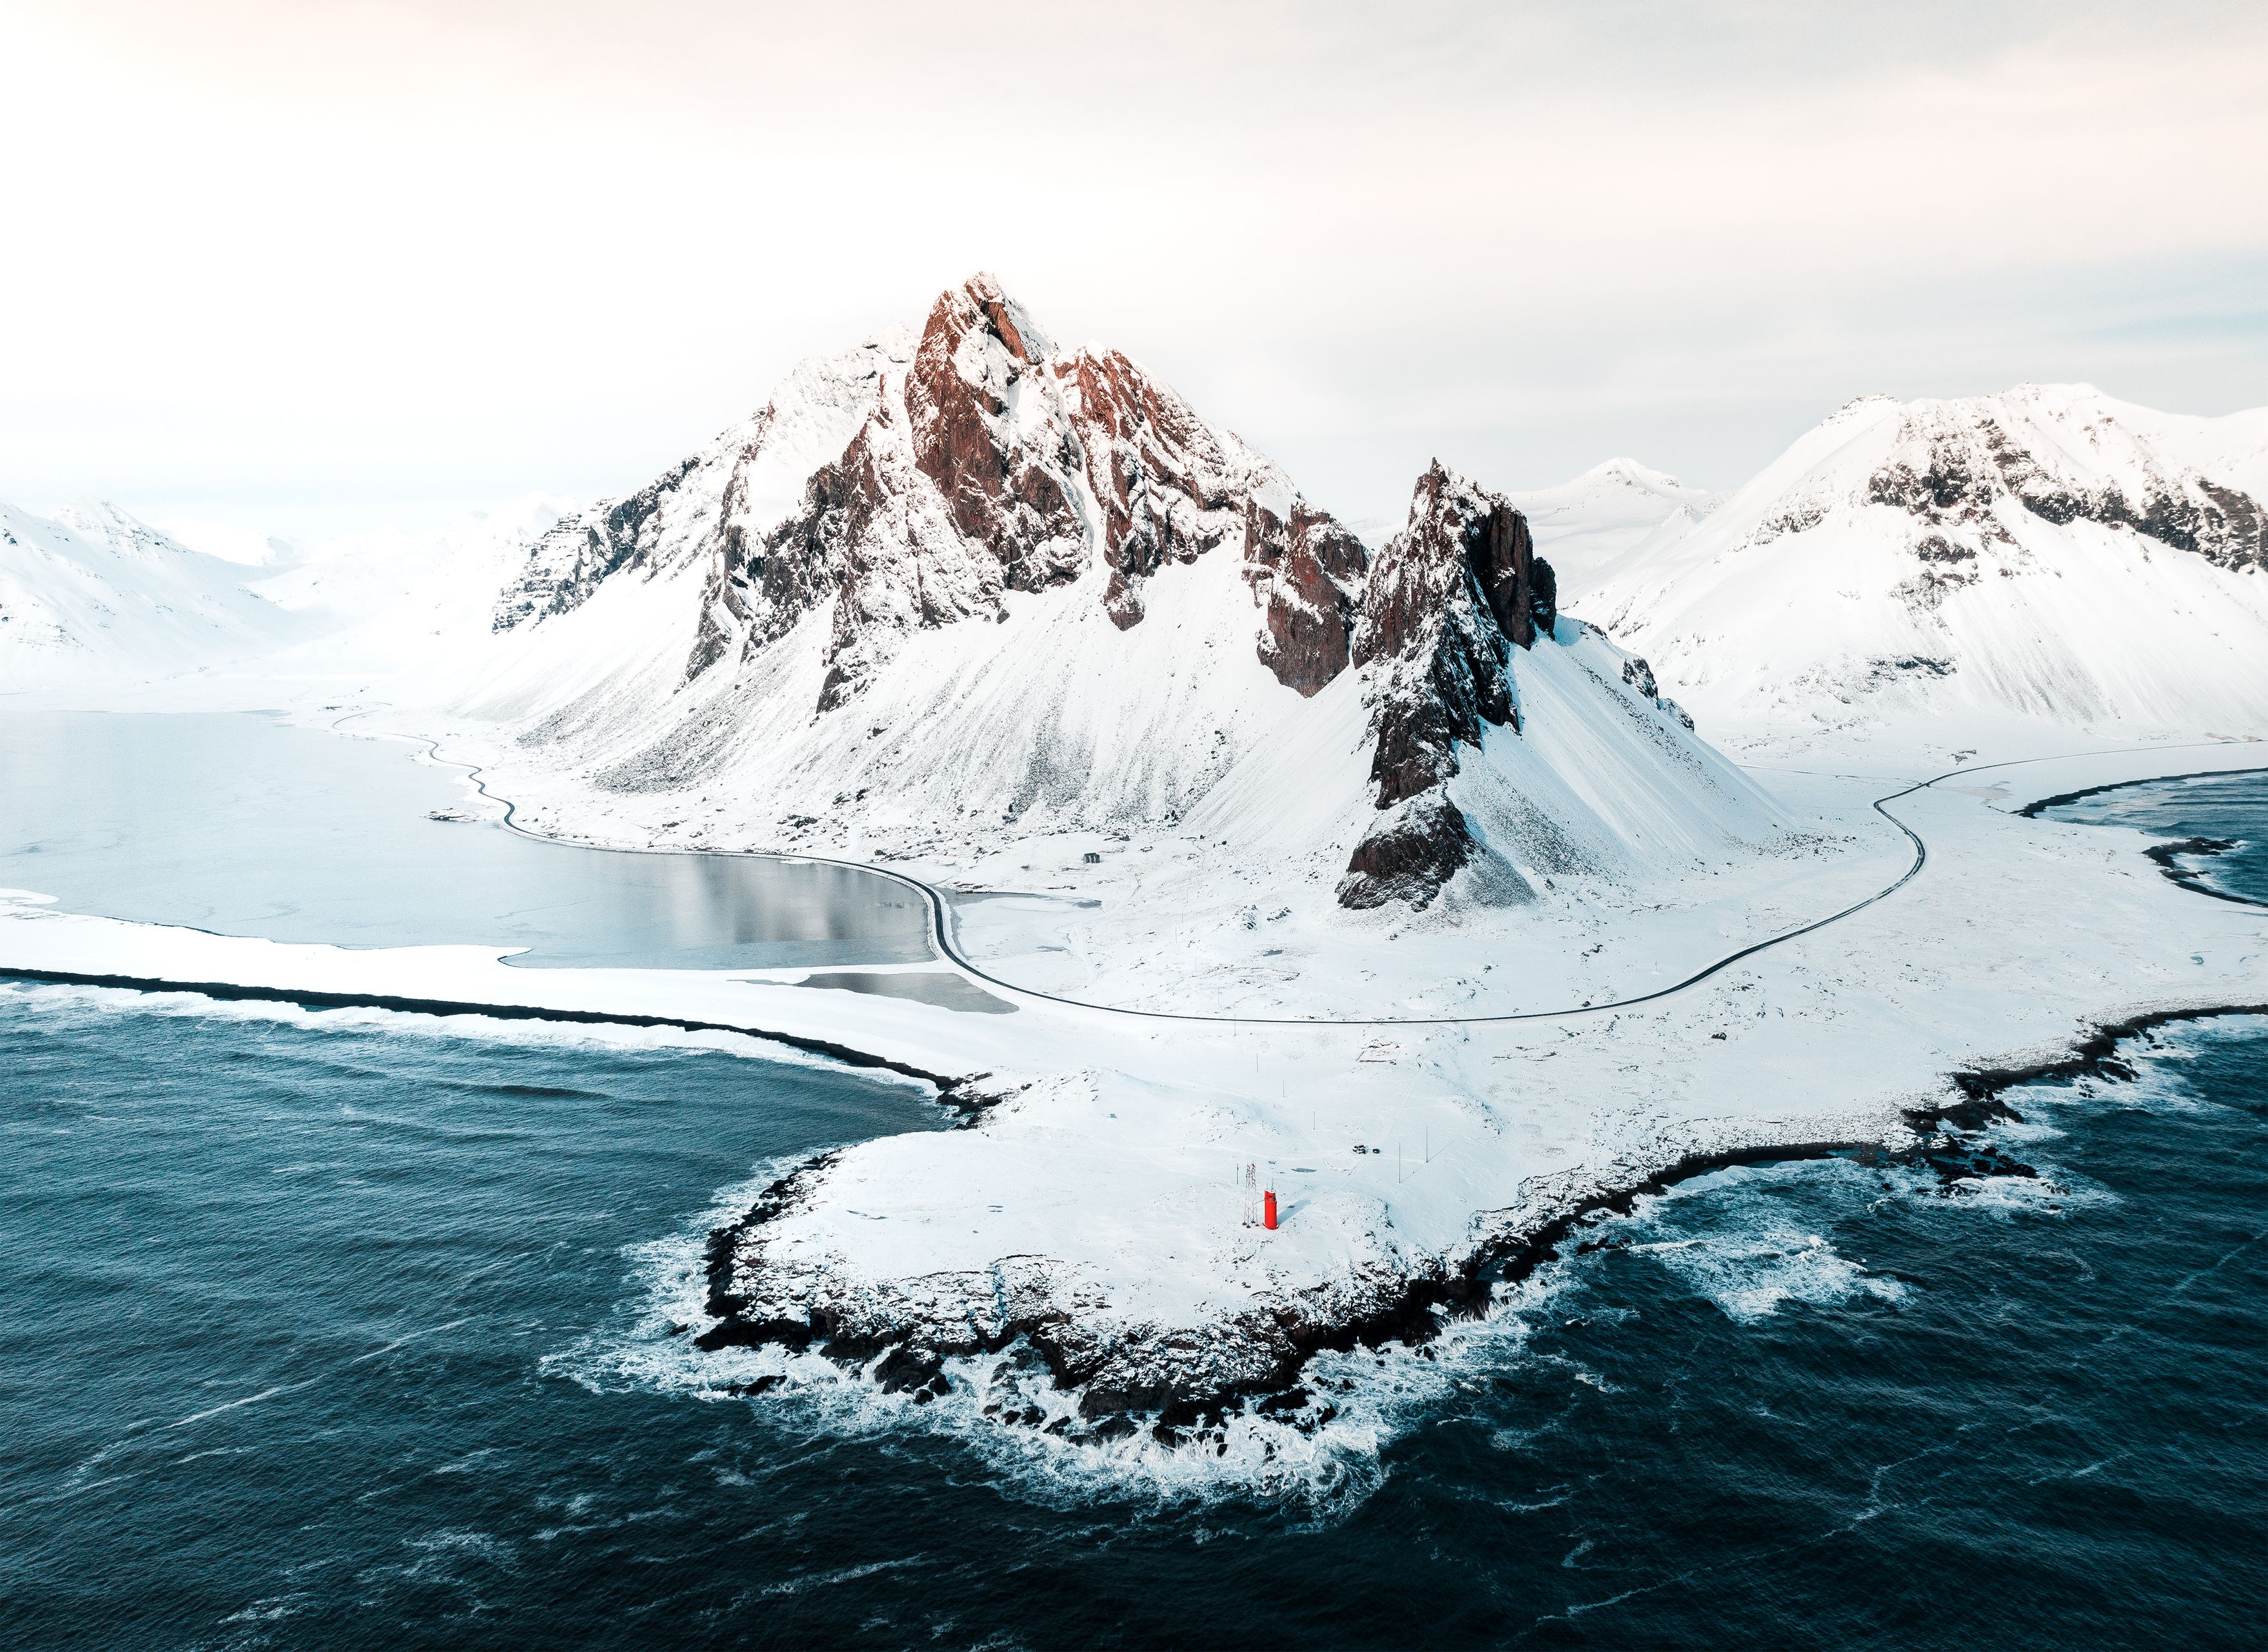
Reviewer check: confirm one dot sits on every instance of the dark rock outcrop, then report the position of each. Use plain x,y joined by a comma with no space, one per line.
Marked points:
1308,574
570,562
1448,601
1502,554
1415,847
1952,472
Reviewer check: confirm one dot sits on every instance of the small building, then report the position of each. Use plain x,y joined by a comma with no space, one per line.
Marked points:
1092,859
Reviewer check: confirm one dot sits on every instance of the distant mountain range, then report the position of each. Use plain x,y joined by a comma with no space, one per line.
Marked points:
2049,553
958,580
1591,524
91,594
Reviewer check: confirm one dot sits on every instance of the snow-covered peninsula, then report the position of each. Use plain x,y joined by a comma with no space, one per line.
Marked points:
1413,877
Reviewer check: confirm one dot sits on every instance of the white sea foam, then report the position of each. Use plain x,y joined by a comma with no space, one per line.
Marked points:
1758,1264
1753,1241
1377,1395
488,1029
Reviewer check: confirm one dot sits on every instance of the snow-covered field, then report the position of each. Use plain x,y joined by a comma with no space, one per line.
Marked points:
1096,1207
1365,867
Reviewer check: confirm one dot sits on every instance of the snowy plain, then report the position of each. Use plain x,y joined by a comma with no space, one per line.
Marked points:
1119,1164
1421,1088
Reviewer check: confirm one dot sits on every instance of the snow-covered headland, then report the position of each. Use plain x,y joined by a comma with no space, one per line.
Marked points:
1372,868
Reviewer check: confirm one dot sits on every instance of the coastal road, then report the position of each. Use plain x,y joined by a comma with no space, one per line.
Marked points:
942,940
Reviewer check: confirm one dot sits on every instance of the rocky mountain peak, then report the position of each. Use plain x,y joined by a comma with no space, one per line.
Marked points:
1449,601
2059,453
989,432
981,459
1008,321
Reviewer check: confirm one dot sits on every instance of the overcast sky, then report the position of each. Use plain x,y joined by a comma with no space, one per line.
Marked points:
314,268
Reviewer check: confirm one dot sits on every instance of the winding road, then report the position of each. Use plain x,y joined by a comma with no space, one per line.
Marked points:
942,940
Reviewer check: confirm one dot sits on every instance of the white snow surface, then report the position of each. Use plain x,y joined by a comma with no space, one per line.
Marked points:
92,596
1584,528
410,610
1802,605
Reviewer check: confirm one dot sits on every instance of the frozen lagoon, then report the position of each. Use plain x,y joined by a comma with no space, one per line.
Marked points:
242,823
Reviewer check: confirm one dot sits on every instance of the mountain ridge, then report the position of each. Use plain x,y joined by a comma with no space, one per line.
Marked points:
2046,552
1033,587
93,592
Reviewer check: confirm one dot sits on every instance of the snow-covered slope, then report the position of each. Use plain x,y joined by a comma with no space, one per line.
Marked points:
959,576
92,594
2048,554
352,578
1588,526
1485,742
416,608
947,584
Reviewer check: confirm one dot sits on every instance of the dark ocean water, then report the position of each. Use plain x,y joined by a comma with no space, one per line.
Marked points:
352,1330
2229,808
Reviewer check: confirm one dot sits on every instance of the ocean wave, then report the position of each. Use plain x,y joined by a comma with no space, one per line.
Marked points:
1753,1241
103,1001
1005,1409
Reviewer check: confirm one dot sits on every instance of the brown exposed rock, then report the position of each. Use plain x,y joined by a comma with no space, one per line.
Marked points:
992,463
1409,855
1502,556
969,368
1448,662
986,462
1308,574
1121,599
1166,488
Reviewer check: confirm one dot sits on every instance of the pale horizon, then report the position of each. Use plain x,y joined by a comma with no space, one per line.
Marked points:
306,275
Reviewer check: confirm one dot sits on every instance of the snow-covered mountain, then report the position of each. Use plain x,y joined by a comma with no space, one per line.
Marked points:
2048,553
1588,525
1483,743
414,608
94,594
965,574
953,584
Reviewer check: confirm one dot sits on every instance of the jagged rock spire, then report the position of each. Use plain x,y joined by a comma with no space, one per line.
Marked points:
1449,599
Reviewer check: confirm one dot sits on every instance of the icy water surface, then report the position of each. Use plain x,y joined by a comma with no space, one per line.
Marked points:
2230,808
353,1330
247,826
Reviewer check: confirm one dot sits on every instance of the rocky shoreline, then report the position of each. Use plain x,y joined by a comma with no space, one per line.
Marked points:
952,1091
1185,1386
1189,1381
2166,856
